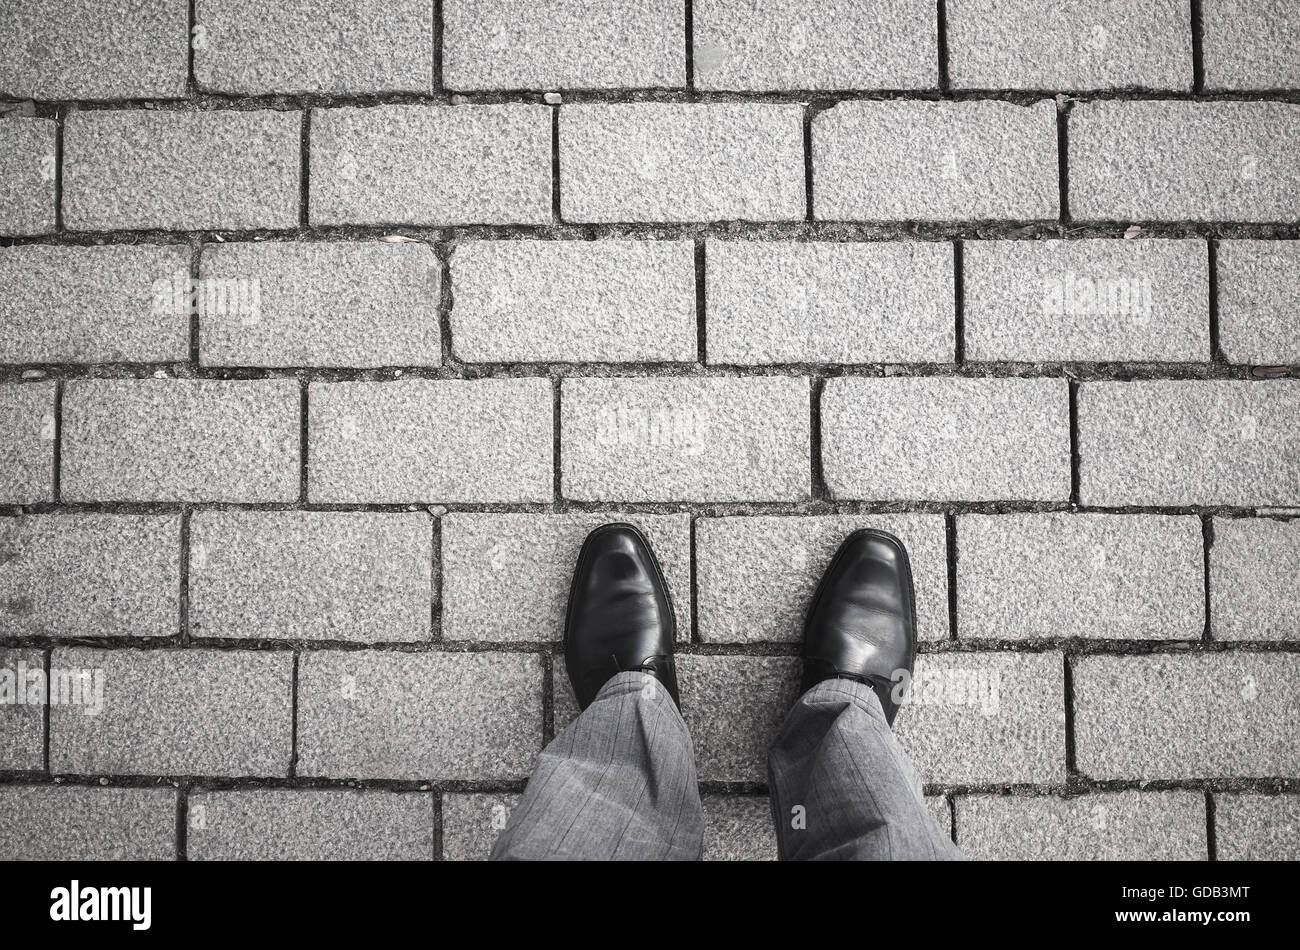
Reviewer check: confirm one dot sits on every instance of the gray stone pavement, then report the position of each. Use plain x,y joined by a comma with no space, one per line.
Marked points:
327,331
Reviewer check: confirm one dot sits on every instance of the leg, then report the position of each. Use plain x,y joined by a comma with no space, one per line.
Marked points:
618,784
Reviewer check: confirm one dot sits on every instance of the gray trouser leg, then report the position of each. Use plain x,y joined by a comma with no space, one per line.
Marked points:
617,784
842,787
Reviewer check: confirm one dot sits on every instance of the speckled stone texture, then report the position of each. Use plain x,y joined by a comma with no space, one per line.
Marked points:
1113,577
1251,44
315,825
738,828
90,575
934,161
1255,579
1257,827
28,171
756,575
430,440
22,724
431,165
813,302
574,301
1259,300
506,577
52,823
356,576
27,429
563,44
815,44
682,162
133,170
366,46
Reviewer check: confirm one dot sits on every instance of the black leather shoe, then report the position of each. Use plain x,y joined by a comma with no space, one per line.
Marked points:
862,622
619,617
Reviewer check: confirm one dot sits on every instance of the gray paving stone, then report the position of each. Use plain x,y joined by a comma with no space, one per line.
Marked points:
27,175
368,714
173,712
1087,44
358,576
180,440
505,577
1198,442
1140,301
941,811
606,301
1255,579
1259,299
90,575
1201,716
1102,826
1251,45
319,304
184,171
484,440
782,302
22,713
946,439
431,165
822,44
934,161
109,304
83,49
69,823
682,162
756,575
738,828
1113,577
1257,827
1184,161
728,439
974,718
303,46
27,431
309,825
564,44
472,822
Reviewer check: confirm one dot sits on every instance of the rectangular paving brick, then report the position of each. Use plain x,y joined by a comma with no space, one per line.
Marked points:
607,301
471,823
180,440
367,714
974,718
90,575
1102,826
358,576
1086,44
1184,161
682,162
756,575
27,431
431,165
72,823
483,440
946,439
505,577
184,171
84,49
293,46
1196,442
1201,716
827,44
174,712
1141,301
22,711
1255,579
1252,45
731,439
738,828
1113,577
796,302
319,304
934,161
27,175
109,304
1258,301
564,44
309,825
1257,827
